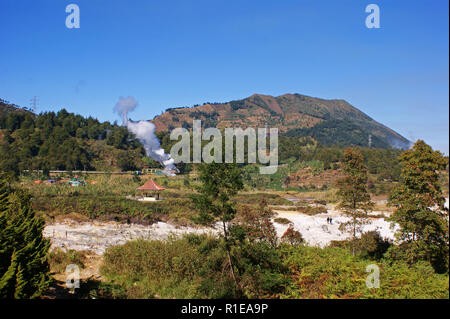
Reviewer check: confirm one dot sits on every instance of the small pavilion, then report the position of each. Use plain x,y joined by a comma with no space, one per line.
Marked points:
150,190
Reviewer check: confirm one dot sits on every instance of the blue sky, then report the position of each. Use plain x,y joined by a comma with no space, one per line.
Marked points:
180,53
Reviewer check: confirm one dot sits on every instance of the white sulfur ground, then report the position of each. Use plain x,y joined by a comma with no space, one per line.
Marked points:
317,232
97,236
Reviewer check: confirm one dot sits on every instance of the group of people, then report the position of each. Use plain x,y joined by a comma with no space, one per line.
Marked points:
329,220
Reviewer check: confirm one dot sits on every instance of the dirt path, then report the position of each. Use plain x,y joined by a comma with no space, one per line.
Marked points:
89,276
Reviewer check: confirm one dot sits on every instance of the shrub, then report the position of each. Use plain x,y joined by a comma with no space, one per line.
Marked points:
333,272
370,245
192,267
292,236
311,210
59,259
282,220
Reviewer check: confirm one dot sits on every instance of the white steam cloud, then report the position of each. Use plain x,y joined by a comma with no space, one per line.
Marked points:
145,133
125,105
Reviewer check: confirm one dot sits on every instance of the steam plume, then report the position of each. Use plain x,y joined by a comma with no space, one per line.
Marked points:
125,105
145,133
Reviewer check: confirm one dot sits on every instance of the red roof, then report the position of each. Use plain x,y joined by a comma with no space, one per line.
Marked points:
150,185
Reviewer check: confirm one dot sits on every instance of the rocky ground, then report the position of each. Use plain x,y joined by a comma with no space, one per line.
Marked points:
318,232
97,236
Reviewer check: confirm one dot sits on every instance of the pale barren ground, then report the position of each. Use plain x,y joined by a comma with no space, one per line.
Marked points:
97,236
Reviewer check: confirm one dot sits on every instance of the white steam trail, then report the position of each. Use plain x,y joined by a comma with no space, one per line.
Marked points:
145,133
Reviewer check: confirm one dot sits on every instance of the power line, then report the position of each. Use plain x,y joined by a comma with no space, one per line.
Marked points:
34,103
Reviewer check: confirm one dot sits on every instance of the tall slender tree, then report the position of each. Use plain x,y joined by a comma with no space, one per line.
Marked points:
353,193
420,210
219,182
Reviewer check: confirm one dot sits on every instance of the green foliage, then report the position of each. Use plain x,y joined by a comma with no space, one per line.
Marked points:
104,198
342,133
311,210
420,210
169,269
238,104
218,183
107,208
369,246
59,259
192,267
282,220
256,224
292,236
57,141
333,272
24,269
353,193
255,198
125,162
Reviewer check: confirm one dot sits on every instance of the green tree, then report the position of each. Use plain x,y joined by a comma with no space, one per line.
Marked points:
420,210
218,183
292,237
24,270
353,193
125,161
256,224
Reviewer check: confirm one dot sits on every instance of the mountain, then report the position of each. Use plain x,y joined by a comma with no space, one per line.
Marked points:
331,122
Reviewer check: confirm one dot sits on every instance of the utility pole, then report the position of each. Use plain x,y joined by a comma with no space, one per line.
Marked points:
34,104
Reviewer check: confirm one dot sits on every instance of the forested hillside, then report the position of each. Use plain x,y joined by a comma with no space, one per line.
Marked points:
64,141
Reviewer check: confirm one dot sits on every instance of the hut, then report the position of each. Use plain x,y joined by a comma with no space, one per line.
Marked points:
150,191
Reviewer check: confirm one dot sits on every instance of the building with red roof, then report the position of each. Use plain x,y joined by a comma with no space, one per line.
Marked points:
150,187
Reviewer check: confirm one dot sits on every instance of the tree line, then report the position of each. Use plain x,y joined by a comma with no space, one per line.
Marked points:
56,141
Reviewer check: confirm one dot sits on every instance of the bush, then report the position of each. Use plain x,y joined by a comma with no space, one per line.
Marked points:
282,220
59,259
172,269
292,237
370,245
192,267
312,210
333,272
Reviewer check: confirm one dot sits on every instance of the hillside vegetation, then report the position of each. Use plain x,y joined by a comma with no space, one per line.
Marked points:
65,141
331,122
192,267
